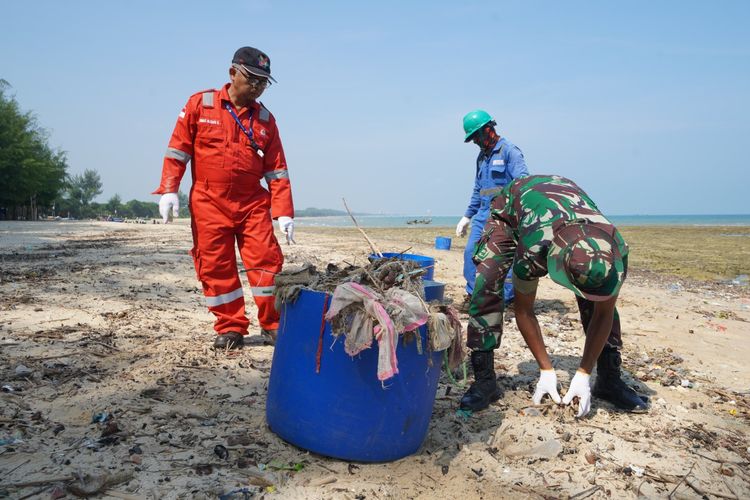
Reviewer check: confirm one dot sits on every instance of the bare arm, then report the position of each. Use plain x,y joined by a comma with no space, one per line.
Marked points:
598,331
529,327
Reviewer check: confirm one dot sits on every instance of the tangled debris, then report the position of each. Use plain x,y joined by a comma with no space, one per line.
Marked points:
380,301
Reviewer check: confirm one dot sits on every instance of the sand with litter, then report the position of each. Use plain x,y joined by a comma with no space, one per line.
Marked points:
105,317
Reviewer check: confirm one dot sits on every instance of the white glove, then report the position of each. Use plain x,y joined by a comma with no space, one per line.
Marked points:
579,387
169,200
462,225
547,384
286,225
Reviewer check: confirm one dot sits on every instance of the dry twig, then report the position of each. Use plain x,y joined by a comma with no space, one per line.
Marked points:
372,245
681,481
40,482
704,493
586,493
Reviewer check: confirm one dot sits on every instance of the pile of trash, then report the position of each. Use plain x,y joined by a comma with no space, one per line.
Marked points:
662,365
381,300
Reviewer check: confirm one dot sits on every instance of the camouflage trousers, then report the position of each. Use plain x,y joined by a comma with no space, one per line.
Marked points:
494,257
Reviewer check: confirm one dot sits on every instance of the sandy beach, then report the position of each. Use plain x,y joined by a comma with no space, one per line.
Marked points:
107,372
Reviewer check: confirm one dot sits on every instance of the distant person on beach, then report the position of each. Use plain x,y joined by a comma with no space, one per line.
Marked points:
539,225
232,141
498,163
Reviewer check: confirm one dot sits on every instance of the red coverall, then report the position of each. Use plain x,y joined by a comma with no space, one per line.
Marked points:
228,203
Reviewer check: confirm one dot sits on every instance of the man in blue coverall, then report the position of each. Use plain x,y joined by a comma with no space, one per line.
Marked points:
498,163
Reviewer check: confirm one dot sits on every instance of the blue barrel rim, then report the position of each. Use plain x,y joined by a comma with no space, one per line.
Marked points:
425,261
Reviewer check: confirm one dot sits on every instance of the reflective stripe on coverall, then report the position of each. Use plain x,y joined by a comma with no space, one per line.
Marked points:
493,173
228,203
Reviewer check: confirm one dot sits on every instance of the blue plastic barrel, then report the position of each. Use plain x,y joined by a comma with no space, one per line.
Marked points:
442,243
426,262
343,411
433,290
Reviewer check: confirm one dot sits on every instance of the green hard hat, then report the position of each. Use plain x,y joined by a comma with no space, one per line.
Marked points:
474,121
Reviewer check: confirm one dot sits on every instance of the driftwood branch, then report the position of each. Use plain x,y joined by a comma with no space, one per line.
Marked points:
704,492
369,241
40,482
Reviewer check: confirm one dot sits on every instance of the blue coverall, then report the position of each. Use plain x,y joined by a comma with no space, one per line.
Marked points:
494,171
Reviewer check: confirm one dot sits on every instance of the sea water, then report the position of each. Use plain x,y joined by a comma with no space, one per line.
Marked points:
389,221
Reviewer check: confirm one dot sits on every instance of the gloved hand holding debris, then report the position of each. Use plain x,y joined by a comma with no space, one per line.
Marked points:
547,384
579,387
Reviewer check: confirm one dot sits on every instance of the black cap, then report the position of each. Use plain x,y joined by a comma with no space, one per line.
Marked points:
254,61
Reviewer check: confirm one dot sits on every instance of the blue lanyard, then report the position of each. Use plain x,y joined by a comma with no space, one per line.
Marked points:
248,133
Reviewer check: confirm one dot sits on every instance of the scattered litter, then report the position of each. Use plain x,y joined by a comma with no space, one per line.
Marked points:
547,449
100,417
741,280
23,371
530,412
726,471
633,470
245,492
323,480
661,365
110,428
239,440
464,414
11,440
221,452
57,492
717,326
88,485
203,469
296,467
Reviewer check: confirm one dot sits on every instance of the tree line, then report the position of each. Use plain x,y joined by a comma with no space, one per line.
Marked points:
34,178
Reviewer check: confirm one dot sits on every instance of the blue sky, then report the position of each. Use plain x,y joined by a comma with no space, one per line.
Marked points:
645,104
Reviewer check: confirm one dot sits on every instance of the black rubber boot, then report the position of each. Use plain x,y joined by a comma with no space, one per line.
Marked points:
228,340
610,387
269,336
484,390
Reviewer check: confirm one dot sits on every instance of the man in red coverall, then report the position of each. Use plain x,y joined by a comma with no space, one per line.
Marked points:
231,142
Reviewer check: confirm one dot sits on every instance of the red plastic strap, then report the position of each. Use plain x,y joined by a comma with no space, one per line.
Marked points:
319,354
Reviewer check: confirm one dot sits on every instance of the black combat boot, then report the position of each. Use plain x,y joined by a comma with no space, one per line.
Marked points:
228,340
484,390
610,387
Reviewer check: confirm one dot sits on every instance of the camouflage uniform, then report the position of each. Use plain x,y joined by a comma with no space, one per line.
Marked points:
524,219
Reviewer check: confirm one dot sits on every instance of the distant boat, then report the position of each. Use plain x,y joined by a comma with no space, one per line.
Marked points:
420,221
